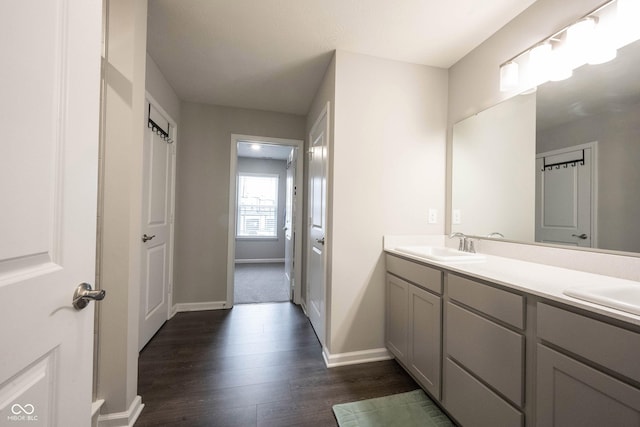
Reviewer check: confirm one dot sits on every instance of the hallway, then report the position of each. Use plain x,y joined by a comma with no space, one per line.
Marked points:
254,365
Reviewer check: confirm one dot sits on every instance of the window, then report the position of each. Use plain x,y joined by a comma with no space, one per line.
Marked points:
257,206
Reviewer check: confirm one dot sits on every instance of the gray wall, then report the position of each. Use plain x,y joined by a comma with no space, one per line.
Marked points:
326,94
267,248
618,172
161,91
202,191
386,169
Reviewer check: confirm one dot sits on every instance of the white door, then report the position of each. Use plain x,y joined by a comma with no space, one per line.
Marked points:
317,225
289,216
564,196
157,212
49,115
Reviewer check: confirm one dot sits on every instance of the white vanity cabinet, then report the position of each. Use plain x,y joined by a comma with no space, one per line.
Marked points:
587,371
414,320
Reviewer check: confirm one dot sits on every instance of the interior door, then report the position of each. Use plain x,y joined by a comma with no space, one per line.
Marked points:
157,210
564,191
289,217
317,225
49,111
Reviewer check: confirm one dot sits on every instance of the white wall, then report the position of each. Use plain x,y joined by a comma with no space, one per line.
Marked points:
120,207
265,248
388,169
326,94
474,86
161,90
493,174
202,192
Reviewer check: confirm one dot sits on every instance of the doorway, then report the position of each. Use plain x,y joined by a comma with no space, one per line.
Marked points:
265,197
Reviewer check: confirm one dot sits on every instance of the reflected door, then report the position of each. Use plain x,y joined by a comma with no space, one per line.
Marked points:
564,196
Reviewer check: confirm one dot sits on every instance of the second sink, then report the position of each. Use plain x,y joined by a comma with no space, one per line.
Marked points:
621,297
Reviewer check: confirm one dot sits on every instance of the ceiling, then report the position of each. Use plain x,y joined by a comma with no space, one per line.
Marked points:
272,54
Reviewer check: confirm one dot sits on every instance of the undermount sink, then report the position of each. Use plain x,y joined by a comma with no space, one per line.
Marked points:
621,297
440,253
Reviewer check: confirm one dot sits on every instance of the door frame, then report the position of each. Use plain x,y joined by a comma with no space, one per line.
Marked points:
325,112
173,134
593,146
297,239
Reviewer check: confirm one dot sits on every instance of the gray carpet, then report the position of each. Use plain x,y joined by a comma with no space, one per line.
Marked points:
255,283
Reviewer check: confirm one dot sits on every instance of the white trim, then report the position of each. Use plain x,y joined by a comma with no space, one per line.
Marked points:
123,419
309,246
355,357
95,411
173,152
259,261
231,246
200,306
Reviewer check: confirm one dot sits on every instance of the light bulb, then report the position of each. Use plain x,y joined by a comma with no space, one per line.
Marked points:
509,76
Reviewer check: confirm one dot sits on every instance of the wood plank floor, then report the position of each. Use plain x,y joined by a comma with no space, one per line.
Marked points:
254,365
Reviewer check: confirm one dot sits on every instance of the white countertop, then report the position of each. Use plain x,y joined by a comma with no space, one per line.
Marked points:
528,277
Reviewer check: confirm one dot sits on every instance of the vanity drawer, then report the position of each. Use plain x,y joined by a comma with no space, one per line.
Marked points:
427,277
473,404
610,346
492,352
502,305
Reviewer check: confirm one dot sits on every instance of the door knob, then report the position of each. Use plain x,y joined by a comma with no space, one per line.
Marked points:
145,238
84,293
580,236
321,241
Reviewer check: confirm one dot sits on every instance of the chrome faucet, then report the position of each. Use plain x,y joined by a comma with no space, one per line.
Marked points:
466,244
495,234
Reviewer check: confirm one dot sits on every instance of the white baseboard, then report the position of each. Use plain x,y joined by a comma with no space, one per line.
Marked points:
355,357
200,306
122,419
95,411
259,261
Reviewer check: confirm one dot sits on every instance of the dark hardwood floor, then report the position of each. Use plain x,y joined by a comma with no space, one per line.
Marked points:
254,365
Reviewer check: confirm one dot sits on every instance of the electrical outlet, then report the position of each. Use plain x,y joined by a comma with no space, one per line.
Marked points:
457,216
433,216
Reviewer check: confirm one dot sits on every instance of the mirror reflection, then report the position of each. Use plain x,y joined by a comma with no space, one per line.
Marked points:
560,166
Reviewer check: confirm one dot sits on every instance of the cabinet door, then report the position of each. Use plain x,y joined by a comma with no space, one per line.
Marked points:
425,338
396,316
570,393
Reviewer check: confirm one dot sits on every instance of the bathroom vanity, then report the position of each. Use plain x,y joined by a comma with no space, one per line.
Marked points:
496,342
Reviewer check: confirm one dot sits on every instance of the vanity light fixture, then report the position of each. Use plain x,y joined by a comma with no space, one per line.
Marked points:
255,147
593,39
509,76
628,12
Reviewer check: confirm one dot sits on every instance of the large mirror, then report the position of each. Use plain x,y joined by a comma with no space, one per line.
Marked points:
558,166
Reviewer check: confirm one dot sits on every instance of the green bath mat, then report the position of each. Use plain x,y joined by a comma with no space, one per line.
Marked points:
410,409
